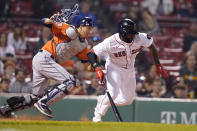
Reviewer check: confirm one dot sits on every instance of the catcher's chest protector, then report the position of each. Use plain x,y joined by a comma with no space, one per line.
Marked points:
66,50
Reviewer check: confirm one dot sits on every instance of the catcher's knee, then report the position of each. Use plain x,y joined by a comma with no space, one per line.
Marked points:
66,87
70,85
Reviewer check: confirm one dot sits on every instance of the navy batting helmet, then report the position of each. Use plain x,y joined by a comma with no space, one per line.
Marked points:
126,28
86,21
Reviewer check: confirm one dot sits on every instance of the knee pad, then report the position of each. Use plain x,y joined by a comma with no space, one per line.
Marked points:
71,83
64,87
68,85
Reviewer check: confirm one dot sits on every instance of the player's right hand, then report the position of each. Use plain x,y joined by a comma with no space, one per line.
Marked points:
53,17
47,21
99,74
90,68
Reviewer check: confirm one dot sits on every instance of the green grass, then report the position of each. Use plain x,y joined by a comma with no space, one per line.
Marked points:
89,126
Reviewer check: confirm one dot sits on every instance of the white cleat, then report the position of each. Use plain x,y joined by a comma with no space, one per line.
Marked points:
96,119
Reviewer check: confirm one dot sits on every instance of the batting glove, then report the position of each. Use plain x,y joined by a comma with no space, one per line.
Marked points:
99,74
161,71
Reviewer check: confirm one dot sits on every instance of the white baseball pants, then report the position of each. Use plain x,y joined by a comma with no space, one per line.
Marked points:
121,84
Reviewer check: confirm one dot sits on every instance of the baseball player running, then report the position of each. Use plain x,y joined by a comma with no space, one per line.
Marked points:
121,49
68,41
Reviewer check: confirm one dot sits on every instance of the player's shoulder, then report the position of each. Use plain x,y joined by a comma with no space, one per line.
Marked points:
144,36
107,42
144,39
108,39
71,32
111,39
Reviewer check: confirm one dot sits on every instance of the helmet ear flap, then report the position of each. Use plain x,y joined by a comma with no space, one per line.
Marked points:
124,33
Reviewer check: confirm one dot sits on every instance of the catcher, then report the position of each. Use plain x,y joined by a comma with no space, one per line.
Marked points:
68,41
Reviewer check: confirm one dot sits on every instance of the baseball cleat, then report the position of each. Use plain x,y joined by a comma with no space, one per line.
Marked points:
97,117
44,109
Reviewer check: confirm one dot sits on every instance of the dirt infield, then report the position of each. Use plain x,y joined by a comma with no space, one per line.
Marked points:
26,117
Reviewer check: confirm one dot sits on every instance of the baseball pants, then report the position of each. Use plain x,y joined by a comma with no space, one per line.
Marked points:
45,67
121,84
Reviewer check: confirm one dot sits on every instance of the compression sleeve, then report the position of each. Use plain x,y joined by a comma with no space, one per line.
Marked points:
92,58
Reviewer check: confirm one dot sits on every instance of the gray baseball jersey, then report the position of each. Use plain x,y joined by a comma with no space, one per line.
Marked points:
66,50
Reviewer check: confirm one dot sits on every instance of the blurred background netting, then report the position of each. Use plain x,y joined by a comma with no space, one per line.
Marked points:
172,23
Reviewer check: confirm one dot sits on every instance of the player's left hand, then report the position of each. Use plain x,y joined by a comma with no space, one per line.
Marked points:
161,71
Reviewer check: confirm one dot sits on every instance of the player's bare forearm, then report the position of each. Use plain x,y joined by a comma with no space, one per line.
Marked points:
154,54
159,68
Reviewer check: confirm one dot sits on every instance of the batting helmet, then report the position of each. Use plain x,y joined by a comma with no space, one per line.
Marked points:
86,21
127,27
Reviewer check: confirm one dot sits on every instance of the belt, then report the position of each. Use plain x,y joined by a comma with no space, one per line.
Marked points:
50,56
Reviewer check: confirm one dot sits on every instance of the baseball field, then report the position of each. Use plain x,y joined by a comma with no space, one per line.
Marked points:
10,125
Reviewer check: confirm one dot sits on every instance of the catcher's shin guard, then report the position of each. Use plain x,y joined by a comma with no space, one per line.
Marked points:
58,92
53,95
16,103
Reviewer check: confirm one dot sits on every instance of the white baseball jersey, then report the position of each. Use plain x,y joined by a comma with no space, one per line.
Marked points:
120,76
121,53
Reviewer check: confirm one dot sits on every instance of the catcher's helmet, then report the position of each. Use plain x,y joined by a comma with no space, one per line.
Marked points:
126,28
86,21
